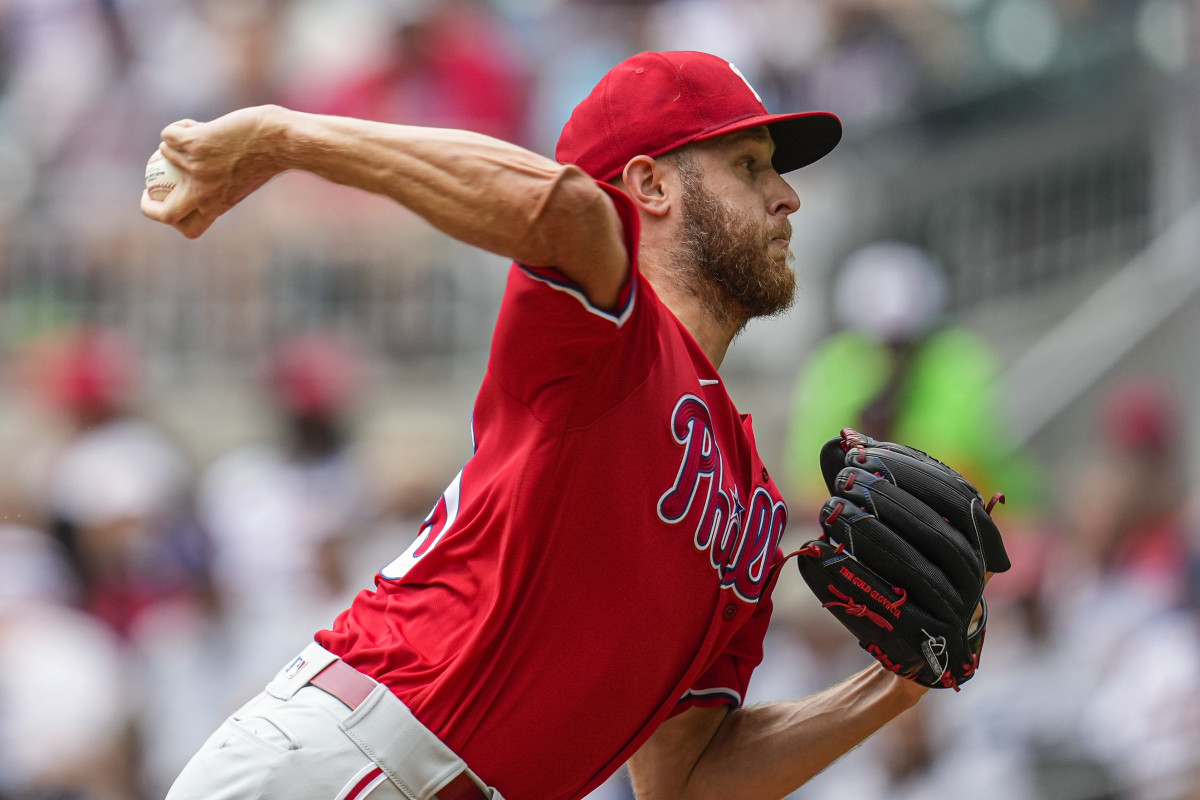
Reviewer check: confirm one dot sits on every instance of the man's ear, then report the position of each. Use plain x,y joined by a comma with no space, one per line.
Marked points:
646,183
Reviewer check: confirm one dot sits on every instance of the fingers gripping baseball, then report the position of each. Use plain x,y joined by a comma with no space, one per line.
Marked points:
205,169
173,193
907,547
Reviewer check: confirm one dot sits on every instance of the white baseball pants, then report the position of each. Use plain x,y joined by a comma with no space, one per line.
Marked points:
295,741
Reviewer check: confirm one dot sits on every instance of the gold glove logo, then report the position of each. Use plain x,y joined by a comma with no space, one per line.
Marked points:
890,606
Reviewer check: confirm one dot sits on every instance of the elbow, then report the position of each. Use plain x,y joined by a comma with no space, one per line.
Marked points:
576,189
573,212
572,191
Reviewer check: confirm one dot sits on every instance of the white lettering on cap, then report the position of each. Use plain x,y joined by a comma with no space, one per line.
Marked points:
738,72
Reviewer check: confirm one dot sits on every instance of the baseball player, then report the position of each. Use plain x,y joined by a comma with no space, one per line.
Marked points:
594,585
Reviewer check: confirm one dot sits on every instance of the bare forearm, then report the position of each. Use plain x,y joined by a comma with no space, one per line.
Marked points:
478,189
767,751
483,191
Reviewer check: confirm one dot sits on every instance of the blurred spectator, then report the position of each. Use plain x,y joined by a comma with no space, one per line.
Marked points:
1142,723
111,483
64,715
446,64
1126,557
1093,657
948,746
1023,713
1126,510
190,673
897,371
281,512
281,515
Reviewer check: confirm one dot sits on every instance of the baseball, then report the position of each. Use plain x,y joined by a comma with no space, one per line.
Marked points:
161,176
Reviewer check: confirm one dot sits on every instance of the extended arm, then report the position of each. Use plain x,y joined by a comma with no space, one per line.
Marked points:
483,191
765,752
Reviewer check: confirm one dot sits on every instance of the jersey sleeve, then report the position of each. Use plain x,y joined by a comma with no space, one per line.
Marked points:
564,359
554,279
727,678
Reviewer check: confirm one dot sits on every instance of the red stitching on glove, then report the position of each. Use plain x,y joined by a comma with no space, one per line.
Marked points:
883,658
969,669
998,497
856,609
852,438
837,512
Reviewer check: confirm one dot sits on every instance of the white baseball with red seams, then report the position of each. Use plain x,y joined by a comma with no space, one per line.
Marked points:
161,176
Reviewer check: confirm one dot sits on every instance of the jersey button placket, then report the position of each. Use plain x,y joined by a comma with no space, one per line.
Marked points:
730,611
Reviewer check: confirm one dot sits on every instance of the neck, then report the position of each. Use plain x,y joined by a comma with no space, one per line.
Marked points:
709,319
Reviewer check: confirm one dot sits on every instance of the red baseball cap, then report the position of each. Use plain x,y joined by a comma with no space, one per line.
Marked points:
655,102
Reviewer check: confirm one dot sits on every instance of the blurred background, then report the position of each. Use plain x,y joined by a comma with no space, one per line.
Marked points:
207,447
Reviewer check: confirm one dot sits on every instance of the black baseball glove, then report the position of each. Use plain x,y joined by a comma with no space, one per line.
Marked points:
901,562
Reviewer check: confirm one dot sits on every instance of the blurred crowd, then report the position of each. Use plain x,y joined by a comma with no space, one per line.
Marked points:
141,592
145,591
144,594
85,85
1089,682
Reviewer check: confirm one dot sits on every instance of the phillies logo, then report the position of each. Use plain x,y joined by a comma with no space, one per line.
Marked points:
739,540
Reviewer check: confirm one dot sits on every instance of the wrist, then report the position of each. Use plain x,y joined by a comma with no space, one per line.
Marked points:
906,692
280,138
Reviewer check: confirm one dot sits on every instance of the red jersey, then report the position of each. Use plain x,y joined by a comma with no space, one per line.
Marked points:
603,560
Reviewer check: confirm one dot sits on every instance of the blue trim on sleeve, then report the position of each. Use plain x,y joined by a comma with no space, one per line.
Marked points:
553,278
709,695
